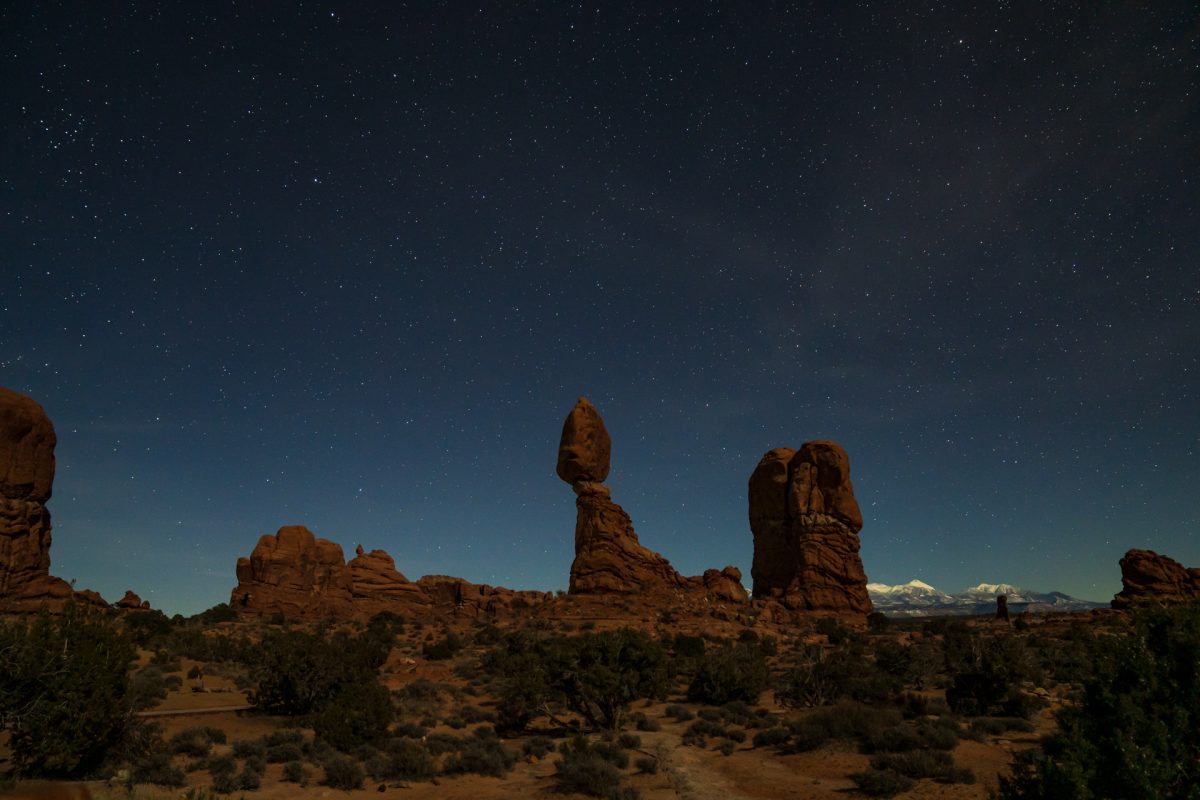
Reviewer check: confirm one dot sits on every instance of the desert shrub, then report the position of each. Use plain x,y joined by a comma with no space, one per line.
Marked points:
647,765
820,676
225,783
146,687
591,769
877,622
157,768
405,759
148,629
732,673
596,675
643,722
846,720
343,772
881,783
221,764
249,748
679,713
833,631
197,741
295,772
538,746
994,726
408,730
919,764
443,649
915,705
221,612
359,713
630,741
63,695
613,753
480,754
248,780
896,739
1135,731
282,753
298,673
285,736
771,737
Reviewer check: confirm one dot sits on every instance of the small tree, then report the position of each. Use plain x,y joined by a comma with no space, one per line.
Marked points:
63,691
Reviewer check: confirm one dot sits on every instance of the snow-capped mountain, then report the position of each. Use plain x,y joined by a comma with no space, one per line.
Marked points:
917,598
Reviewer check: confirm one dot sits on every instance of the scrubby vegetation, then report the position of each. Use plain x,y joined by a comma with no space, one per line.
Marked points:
1135,732
607,707
63,694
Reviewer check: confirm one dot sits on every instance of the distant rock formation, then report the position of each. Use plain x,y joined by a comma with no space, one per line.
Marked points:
300,576
1147,577
27,443
608,556
131,602
805,522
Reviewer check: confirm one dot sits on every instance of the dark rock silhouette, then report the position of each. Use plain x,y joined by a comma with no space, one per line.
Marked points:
1002,607
27,442
1147,577
805,521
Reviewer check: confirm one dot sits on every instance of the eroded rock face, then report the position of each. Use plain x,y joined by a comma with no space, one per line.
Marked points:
609,559
27,443
805,521
296,574
1147,577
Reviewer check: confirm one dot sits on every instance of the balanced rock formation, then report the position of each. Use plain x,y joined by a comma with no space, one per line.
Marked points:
1147,577
27,443
805,522
608,556
296,574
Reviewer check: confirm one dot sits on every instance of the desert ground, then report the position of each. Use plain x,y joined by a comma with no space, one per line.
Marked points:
446,691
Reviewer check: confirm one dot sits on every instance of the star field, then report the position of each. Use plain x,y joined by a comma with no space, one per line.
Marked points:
349,266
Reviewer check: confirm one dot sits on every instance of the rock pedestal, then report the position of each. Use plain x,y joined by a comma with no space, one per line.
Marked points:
609,559
805,521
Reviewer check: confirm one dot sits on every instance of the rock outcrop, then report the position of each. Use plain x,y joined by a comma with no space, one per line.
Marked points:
805,522
27,443
300,576
131,602
1147,577
609,559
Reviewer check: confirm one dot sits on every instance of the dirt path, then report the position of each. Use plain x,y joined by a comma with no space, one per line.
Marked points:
186,712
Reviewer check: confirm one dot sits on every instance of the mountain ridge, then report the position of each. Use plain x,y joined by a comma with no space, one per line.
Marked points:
917,598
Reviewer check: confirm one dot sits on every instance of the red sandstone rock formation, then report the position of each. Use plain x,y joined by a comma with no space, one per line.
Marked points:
608,556
805,522
27,443
302,577
1147,577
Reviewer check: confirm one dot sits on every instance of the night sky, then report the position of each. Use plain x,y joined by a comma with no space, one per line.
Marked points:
350,265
